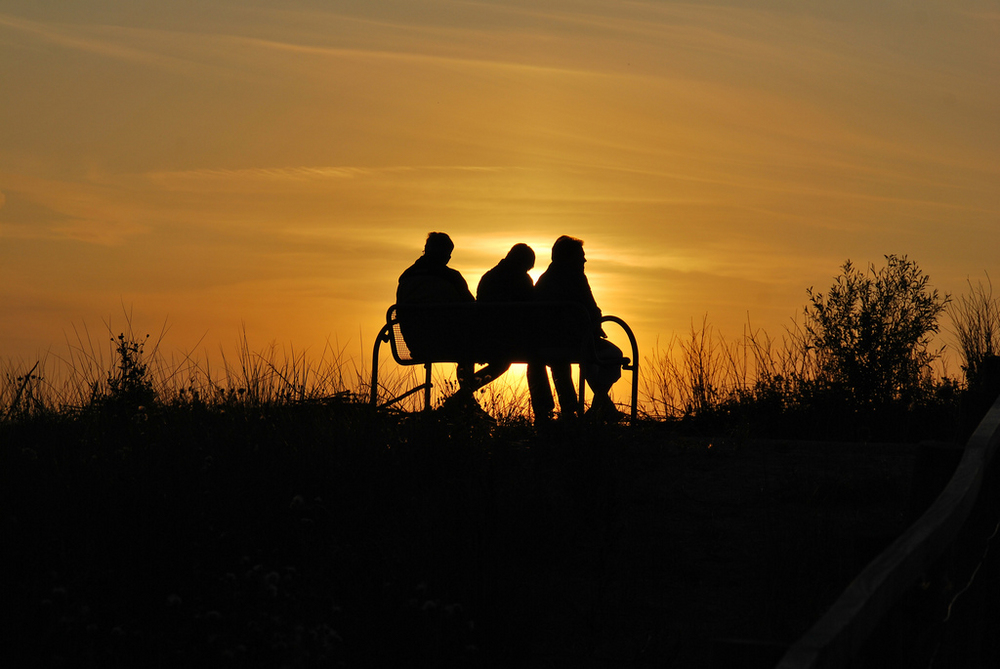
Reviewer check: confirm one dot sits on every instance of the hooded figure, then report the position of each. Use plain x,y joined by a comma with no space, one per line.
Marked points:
507,282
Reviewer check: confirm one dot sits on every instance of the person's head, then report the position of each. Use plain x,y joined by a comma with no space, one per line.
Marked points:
521,257
438,247
568,250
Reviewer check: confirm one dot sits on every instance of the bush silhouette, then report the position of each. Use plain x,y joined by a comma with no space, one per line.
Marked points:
871,332
129,384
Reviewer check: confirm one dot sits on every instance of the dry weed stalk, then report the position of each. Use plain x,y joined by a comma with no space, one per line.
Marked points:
976,327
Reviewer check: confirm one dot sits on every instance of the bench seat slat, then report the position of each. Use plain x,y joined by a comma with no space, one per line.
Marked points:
478,332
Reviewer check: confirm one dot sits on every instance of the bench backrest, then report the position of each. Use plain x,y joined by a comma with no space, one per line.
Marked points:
485,332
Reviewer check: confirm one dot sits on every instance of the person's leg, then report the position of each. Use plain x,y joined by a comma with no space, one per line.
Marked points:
542,403
491,372
562,377
603,374
464,399
465,372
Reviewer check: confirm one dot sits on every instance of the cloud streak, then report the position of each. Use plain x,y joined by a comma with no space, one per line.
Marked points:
60,210
98,40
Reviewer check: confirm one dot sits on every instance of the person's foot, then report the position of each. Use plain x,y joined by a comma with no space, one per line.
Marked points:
544,418
604,411
568,417
570,411
481,413
465,403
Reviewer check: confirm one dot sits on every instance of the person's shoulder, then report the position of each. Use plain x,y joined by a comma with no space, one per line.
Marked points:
453,273
409,272
553,274
488,276
484,283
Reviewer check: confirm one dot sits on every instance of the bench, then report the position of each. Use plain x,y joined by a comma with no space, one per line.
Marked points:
477,332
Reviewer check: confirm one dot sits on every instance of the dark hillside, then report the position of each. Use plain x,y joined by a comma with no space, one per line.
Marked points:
325,534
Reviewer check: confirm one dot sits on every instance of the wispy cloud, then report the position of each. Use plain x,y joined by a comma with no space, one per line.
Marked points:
44,209
308,173
100,40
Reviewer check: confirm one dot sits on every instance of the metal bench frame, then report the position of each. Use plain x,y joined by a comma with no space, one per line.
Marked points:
391,334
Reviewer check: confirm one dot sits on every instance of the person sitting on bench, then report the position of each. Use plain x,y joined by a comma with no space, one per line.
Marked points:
508,281
565,281
430,280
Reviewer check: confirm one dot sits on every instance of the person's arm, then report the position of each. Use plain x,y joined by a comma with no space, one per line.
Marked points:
587,297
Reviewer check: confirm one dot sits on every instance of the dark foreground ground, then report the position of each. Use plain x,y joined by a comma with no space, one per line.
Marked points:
330,536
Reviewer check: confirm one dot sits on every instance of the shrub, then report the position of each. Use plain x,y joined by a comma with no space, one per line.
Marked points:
129,383
871,332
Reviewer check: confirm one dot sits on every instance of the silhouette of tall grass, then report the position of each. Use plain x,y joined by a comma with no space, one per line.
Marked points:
701,375
764,386
975,320
280,375
704,370
123,365
89,369
133,366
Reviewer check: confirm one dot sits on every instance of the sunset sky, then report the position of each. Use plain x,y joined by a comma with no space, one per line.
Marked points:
216,164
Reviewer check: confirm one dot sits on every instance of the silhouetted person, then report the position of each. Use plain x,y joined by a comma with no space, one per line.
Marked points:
430,280
507,282
565,281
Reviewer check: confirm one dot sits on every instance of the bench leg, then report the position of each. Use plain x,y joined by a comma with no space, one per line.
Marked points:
383,336
427,386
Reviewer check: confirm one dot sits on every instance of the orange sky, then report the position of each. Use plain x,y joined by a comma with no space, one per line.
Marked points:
210,164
